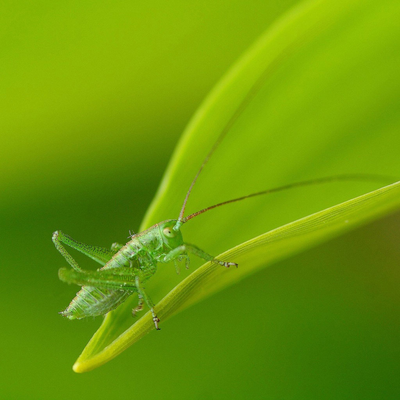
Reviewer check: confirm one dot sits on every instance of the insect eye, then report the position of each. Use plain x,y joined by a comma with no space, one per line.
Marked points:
168,232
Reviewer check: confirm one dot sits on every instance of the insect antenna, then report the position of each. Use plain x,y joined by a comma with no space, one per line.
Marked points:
216,144
347,177
242,106
237,113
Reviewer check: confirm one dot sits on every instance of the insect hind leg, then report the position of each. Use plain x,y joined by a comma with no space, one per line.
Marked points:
114,279
96,253
58,238
142,294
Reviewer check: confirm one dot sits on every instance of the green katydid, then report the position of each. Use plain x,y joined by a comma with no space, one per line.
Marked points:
127,267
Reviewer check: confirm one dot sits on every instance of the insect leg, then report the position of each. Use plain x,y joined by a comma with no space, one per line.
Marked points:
116,247
139,307
181,250
177,269
147,300
116,278
97,253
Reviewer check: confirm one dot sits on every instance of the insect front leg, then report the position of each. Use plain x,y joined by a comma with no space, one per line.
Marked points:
176,255
142,294
183,249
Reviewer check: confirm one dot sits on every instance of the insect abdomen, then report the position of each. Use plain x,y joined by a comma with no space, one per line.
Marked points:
91,302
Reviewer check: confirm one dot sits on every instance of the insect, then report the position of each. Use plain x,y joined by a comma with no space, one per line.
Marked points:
126,268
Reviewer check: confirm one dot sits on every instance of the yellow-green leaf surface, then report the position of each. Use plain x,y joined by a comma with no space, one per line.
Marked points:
251,255
321,104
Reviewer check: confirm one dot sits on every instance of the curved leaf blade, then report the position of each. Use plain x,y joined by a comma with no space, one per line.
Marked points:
251,256
299,107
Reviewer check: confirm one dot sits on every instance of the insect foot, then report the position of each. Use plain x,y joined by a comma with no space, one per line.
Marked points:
228,264
225,263
156,320
187,261
136,310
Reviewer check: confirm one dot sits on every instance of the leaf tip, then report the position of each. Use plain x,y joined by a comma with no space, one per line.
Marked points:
79,367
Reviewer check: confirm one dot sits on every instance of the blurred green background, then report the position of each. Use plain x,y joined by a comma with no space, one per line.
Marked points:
93,97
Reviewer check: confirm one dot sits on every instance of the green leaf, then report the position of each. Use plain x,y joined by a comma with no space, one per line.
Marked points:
322,105
252,255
